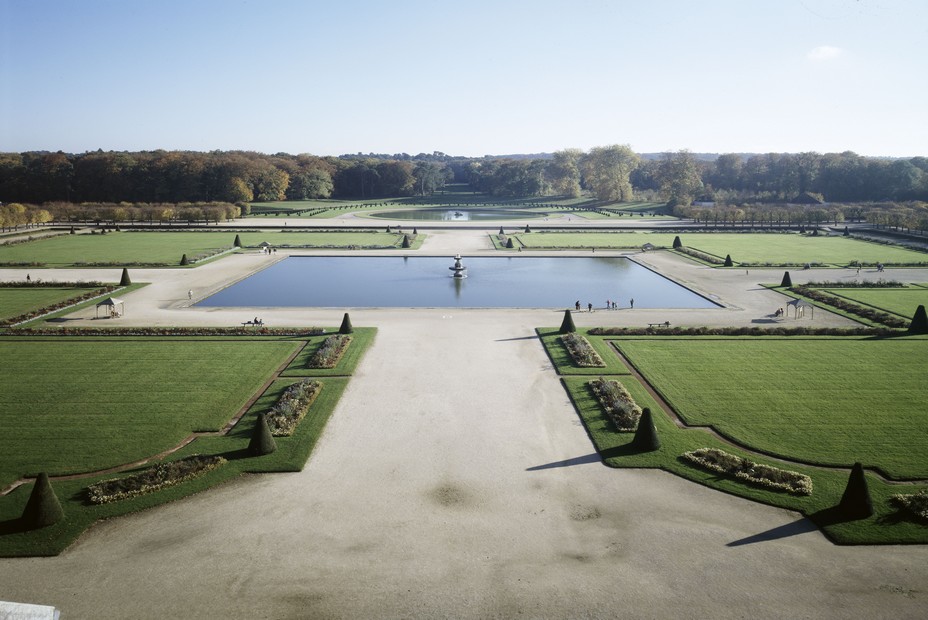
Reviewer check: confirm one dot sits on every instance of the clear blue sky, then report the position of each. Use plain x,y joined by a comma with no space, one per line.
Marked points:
466,78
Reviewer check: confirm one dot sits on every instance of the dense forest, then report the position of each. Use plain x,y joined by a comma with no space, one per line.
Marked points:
610,173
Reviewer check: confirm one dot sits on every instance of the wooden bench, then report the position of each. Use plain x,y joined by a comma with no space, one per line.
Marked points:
258,324
664,324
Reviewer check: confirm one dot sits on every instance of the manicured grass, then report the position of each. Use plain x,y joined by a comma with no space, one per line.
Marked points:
902,302
888,526
291,453
361,339
82,404
118,248
564,363
579,240
830,401
18,301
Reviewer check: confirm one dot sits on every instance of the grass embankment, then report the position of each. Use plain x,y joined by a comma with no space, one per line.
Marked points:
117,249
822,400
15,302
120,399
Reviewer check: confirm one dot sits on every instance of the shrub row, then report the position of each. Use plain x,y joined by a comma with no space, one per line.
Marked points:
720,461
916,503
153,478
617,403
291,407
38,283
855,284
171,331
706,258
330,351
58,306
582,351
740,331
877,316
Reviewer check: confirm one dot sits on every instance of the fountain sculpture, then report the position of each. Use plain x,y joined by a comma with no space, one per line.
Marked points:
460,271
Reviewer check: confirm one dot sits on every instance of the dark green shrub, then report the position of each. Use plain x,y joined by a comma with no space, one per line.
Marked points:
405,241
856,502
787,281
527,229
846,232
124,280
262,442
919,323
238,242
646,439
346,327
415,231
677,243
728,262
388,229
72,231
184,261
43,508
567,325
509,243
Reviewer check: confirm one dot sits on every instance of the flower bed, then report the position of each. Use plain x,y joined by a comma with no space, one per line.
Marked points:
582,351
291,407
720,461
916,503
152,479
706,258
330,351
617,403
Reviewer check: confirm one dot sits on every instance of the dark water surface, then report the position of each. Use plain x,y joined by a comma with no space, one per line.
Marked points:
426,282
457,215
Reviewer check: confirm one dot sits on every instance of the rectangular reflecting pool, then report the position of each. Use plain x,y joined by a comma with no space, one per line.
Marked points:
426,282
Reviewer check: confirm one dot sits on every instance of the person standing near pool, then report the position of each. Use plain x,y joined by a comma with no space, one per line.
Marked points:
631,303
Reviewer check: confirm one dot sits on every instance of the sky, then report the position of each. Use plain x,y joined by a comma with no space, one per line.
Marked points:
465,78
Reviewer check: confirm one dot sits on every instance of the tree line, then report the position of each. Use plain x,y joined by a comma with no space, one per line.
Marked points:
608,173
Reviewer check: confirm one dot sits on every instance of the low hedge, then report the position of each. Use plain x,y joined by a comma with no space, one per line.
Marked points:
291,407
171,331
617,403
766,476
152,479
740,331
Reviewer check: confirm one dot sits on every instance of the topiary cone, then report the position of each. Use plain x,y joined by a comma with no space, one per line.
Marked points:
501,230
184,261
677,243
787,281
43,507
646,439
238,242
262,441
567,325
527,229
124,280
415,231
919,324
728,262
405,241
346,327
509,243
856,502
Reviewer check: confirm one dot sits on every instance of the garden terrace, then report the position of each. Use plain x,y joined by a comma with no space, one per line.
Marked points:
21,303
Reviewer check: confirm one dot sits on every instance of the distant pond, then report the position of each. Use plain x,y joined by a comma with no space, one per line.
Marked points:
426,282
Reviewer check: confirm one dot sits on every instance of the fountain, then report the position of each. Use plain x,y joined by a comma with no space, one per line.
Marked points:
458,269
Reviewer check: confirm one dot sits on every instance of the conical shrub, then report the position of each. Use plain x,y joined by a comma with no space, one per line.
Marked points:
346,327
567,325
262,441
184,261
919,324
787,281
847,233
238,242
501,230
527,229
405,241
856,502
677,243
728,262
646,439
43,507
124,280
415,231
388,229
509,244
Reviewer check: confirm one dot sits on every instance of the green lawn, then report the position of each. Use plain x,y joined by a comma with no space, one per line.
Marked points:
325,239
117,248
18,301
902,302
754,248
830,401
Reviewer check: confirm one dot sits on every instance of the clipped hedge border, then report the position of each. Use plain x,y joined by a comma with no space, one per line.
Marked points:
916,503
741,331
766,476
152,478
171,331
617,403
330,351
581,351
292,406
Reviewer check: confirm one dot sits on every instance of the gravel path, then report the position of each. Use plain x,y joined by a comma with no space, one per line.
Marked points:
455,480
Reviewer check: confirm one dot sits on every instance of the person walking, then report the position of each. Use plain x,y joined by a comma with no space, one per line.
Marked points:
589,306
190,294
631,303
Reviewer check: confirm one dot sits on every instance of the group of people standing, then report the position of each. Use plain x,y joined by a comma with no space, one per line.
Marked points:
610,305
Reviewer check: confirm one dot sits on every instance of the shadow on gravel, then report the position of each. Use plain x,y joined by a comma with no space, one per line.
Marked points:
800,526
577,460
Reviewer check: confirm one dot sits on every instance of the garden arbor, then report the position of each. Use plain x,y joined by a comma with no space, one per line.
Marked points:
799,307
113,307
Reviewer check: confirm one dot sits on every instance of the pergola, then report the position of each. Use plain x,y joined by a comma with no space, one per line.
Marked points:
799,308
114,307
